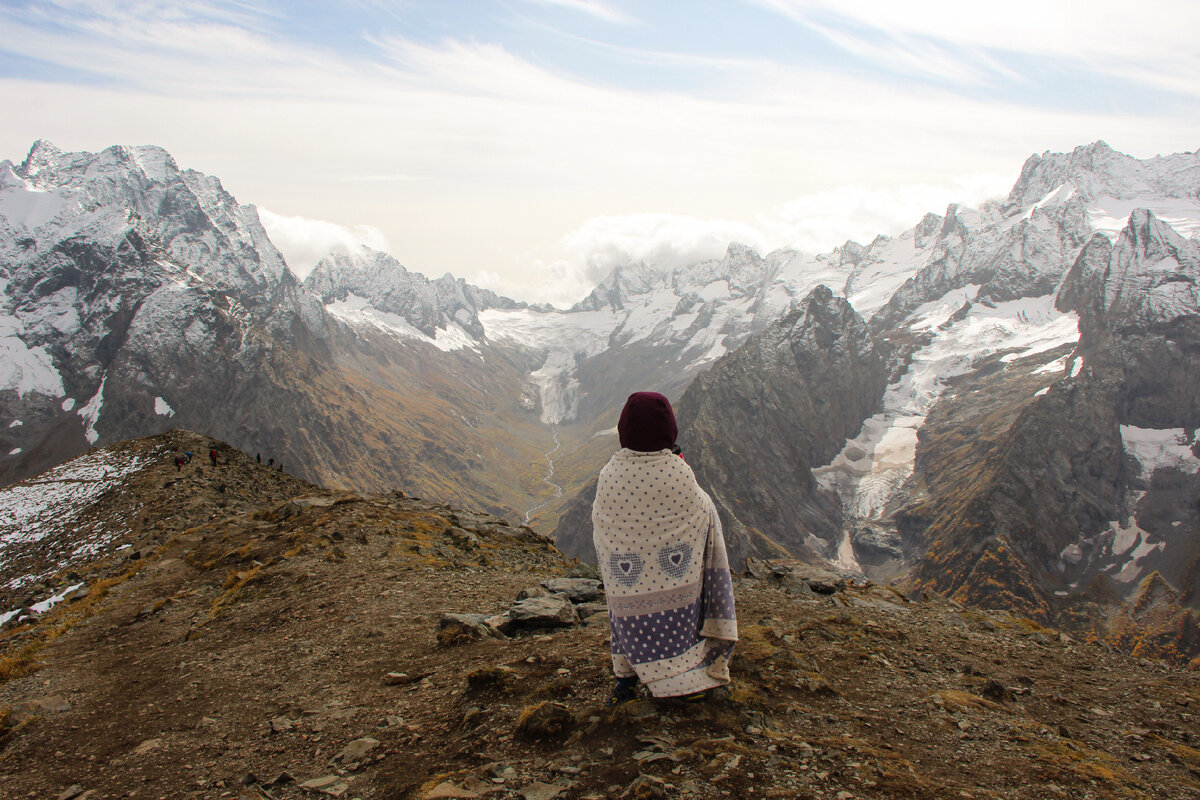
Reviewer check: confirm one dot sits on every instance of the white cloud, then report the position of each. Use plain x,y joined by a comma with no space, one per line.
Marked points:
467,158
1150,42
303,242
819,222
595,8
668,241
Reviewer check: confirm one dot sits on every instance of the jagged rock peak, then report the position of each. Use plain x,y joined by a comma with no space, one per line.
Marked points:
621,284
190,213
1097,170
1151,274
929,226
383,281
46,161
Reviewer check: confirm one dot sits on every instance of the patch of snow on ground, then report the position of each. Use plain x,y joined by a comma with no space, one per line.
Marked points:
1129,540
90,413
453,337
27,207
51,602
716,348
1166,447
563,336
875,464
1057,365
49,503
162,408
68,404
25,369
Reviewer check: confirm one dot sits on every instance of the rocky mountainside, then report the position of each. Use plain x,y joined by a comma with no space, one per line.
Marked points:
817,372
136,297
1014,423
365,277
333,644
1035,445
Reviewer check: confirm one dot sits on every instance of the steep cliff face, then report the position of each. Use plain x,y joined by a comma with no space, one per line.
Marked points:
137,297
134,292
428,306
755,425
1093,478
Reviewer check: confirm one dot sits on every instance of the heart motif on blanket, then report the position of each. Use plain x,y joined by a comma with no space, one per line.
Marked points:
675,559
625,567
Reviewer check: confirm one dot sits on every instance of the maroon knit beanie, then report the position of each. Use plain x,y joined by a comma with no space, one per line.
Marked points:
647,423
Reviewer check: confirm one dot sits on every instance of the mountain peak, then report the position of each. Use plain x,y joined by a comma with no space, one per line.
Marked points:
1096,170
43,154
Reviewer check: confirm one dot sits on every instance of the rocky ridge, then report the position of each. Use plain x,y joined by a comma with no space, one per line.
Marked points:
136,297
293,651
429,306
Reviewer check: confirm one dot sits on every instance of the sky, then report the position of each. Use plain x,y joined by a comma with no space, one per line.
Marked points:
529,146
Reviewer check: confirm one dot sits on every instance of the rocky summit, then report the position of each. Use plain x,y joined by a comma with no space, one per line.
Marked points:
238,633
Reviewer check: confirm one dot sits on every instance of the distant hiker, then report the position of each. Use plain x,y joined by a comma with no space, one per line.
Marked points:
187,456
212,454
178,463
659,545
258,457
270,462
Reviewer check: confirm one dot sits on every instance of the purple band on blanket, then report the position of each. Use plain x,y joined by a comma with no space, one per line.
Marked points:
718,594
642,638
653,637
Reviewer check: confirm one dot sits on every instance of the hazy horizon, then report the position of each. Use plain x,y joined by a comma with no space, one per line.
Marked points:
529,146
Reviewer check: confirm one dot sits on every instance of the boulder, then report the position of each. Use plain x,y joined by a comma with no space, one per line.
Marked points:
454,629
586,610
552,611
578,590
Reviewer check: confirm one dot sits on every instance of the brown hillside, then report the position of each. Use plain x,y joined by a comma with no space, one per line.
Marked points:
246,654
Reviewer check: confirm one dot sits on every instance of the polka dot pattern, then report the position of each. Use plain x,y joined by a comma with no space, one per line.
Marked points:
662,556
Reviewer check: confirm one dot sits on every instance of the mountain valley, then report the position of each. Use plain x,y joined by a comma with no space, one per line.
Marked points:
997,405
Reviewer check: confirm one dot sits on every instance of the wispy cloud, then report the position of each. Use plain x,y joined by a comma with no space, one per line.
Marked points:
303,242
1149,43
595,8
487,152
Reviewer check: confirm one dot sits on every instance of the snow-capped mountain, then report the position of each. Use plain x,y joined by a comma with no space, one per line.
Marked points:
128,287
446,309
1037,431
998,403
137,297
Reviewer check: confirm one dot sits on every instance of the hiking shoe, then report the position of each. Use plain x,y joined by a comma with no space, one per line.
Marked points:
622,695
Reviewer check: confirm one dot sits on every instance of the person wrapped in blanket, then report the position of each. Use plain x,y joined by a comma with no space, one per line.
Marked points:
662,556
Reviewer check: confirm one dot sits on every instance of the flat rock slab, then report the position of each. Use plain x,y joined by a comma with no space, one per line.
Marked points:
448,791
551,611
357,750
542,791
578,590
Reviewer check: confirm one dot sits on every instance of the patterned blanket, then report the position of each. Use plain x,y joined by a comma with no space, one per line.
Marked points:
662,555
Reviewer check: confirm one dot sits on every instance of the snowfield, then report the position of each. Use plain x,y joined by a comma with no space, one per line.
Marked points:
49,504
